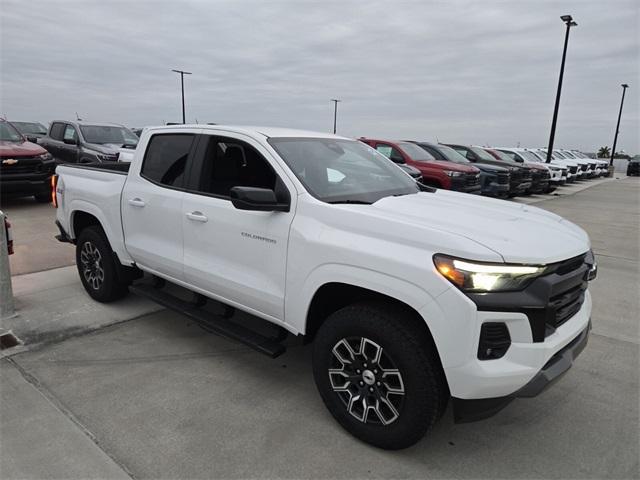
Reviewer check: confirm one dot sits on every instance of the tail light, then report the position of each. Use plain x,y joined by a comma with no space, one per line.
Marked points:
7,227
54,186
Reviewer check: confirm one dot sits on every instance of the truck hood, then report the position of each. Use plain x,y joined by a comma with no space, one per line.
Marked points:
518,233
486,167
446,165
22,149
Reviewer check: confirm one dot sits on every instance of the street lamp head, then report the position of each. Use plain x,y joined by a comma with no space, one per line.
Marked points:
566,18
572,24
624,85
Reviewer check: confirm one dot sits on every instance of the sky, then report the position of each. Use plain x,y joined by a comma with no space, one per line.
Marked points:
477,72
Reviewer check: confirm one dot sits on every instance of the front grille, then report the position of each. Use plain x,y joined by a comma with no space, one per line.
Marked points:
584,167
526,175
472,179
503,178
573,170
567,304
24,165
546,175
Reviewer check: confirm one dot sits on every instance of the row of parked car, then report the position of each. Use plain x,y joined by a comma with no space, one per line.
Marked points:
30,153
497,171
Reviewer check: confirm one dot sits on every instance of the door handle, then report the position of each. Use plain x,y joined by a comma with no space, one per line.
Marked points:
136,202
197,217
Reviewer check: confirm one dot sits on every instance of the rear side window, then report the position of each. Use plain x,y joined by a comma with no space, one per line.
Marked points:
70,133
166,159
57,130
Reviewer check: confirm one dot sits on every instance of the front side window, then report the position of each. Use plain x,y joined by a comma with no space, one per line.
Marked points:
70,133
232,163
166,159
342,171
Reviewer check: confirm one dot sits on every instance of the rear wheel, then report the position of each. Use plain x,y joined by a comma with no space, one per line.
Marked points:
96,266
378,375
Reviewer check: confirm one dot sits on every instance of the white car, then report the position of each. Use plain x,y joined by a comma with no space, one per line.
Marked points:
411,295
601,166
587,166
575,167
558,172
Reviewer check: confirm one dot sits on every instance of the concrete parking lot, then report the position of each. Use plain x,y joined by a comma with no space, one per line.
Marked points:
153,396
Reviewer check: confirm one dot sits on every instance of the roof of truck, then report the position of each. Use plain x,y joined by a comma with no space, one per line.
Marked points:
269,132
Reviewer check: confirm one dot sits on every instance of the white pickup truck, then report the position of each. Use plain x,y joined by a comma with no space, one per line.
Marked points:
412,296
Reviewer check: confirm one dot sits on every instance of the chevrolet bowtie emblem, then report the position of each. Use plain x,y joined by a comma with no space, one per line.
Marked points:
9,161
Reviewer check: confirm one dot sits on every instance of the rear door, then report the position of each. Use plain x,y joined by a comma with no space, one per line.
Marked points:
236,256
152,203
53,141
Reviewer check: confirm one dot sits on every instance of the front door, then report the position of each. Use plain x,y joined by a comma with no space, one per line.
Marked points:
236,256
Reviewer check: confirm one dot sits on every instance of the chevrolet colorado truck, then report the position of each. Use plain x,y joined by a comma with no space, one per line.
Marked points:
413,297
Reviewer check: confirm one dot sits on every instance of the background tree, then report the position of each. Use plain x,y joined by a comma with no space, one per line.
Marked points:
604,152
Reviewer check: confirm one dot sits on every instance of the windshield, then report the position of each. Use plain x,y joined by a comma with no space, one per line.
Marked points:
537,155
558,154
482,154
569,155
107,134
450,154
30,127
343,171
529,156
417,154
8,133
503,156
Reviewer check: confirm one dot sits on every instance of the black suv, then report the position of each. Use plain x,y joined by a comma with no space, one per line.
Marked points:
87,142
494,180
521,178
633,168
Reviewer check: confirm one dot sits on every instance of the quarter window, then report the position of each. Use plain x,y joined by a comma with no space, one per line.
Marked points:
166,158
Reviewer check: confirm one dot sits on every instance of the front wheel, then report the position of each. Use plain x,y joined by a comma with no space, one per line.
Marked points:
379,375
96,266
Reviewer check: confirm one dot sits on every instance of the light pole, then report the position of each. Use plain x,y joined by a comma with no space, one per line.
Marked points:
335,112
182,74
615,138
568,20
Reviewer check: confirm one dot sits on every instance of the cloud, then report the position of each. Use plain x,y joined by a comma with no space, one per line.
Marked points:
473,72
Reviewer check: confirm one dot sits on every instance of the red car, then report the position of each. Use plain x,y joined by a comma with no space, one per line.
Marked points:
25,167
437,173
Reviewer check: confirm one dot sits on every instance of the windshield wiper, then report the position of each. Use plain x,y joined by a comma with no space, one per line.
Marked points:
351,202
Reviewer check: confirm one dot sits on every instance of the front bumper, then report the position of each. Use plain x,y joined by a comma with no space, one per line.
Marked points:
25,184
495,189
472,410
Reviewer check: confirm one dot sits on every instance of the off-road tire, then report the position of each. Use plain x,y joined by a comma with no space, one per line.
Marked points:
106,286
409,347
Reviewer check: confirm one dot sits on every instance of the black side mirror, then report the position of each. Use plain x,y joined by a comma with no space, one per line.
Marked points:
257,199
70,141
32,139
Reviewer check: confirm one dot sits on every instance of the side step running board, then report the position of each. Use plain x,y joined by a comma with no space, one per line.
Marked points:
212,323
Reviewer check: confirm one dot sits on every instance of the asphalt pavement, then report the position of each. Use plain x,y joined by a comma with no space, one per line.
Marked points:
153,396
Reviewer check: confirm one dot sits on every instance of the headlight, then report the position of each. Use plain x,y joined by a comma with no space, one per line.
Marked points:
451,173
476,277
45,156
